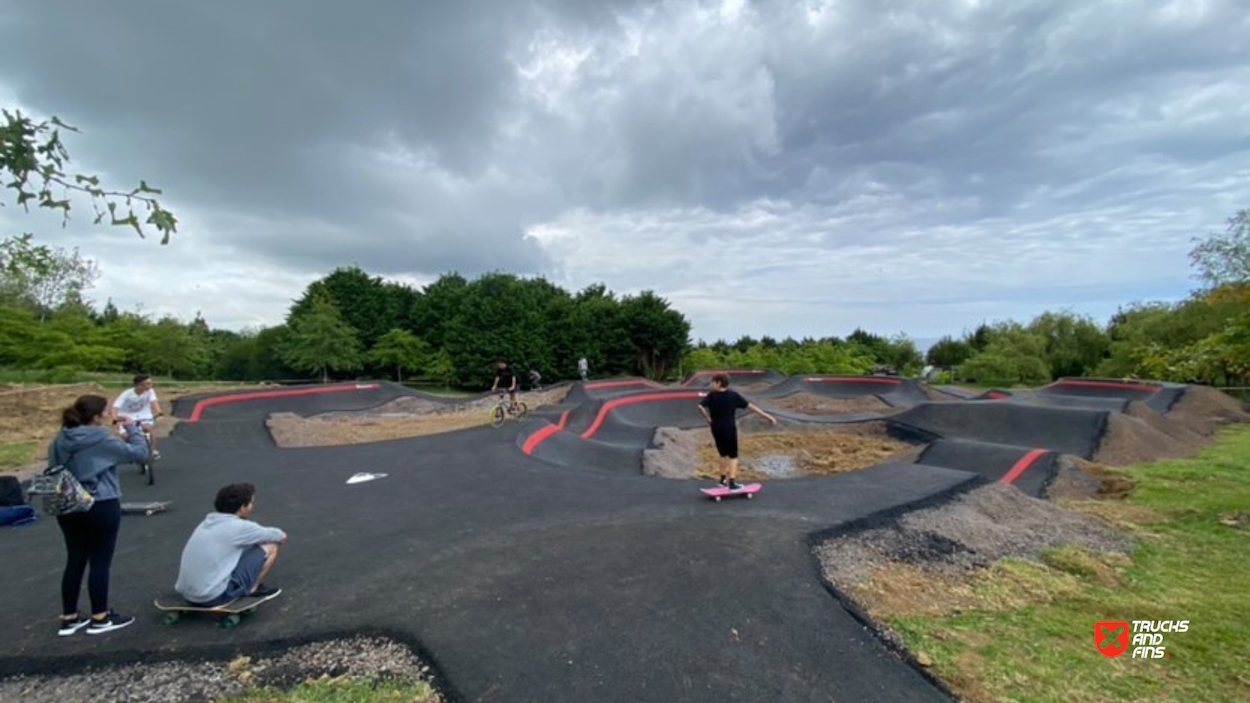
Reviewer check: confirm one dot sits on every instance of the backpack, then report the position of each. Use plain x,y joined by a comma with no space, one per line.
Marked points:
11,492
62,493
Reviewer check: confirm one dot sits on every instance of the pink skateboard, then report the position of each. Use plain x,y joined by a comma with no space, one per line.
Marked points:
748,490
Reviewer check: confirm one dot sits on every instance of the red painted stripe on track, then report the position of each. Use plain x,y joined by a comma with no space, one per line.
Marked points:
541,436
995,395
223,399
1022,465
1111,384
630,400
852,379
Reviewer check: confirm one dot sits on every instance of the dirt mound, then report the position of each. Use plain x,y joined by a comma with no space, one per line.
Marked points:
812,404
972,531
1141,435
1078,479
689,454
1204,410
414,405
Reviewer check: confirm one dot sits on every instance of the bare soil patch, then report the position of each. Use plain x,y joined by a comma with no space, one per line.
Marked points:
931,560
687,454
408,416
32,415
813,404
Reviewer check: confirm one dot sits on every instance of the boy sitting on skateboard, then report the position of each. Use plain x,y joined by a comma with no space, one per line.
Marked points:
228,555
720,408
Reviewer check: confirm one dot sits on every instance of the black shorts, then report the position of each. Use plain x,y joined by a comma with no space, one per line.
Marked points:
726,443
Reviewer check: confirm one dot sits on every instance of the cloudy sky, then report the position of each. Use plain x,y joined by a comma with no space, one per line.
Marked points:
793,167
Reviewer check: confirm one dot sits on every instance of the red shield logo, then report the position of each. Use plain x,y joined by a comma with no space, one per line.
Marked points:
1111,637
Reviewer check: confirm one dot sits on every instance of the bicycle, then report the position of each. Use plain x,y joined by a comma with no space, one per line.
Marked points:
147,468
502,410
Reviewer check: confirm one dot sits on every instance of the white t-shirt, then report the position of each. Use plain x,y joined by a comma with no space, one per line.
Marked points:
134,405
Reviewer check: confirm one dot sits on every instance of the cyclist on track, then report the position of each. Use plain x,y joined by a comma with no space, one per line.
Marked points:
138,404
505,380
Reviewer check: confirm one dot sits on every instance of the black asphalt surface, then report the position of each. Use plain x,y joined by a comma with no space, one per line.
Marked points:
564,575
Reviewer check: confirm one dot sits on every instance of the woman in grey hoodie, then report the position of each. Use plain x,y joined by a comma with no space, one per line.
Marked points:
89,450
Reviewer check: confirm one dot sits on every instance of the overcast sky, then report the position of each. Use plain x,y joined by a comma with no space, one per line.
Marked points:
783,168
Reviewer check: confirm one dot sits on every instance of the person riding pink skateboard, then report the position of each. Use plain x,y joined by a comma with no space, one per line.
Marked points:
720,408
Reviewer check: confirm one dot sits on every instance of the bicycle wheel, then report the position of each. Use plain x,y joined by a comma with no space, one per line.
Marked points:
521,410
497,415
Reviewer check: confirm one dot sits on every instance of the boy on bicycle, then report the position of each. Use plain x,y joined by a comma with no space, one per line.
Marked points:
138,405
505,380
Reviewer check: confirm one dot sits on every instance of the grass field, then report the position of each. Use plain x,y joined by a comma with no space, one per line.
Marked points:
1191,562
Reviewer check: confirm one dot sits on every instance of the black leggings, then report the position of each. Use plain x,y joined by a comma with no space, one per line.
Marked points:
89,539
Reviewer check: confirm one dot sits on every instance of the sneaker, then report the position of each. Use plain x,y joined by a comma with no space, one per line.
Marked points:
734,486
263,591
108,624
65,628
722,482
155,455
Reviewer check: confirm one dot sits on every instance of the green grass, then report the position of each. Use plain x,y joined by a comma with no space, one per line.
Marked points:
344,690
1187,565
16,454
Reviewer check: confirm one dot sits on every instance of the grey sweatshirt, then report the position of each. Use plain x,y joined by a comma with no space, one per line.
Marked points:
92,454
214,550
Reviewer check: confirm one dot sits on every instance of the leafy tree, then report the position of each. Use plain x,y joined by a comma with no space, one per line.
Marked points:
367,303
442,369
701,358
169,348
321,341
1223,259
1012,355
657,333
41,276
32,162
1074,345
949,352
401,350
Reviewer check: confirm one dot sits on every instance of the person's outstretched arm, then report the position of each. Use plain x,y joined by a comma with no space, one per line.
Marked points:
760,411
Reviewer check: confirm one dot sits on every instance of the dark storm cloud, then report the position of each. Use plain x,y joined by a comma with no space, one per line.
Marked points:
637,140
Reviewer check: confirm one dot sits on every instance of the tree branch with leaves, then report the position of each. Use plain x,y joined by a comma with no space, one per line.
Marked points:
33,162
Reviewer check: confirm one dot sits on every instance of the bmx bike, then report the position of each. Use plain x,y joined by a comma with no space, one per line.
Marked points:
503,409
147,467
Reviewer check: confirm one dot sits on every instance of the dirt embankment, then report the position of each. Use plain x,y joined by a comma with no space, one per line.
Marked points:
895,567
813,404
400,418
1141,434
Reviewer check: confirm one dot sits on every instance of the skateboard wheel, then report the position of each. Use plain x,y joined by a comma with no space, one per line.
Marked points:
716,498
171,618
749,496
230,622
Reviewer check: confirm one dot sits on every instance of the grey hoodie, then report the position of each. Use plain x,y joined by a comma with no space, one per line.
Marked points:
214,550
92,454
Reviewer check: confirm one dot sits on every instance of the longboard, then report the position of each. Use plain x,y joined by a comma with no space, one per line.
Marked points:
149,508
719,492
231,613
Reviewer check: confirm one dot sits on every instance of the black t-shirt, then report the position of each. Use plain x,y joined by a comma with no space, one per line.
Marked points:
503,377
723,406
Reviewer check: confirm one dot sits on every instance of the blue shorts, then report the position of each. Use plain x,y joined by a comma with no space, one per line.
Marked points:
244,577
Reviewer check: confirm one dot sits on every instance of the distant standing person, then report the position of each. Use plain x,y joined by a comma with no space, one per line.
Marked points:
138,404
583,368
720,408
228,555
91,453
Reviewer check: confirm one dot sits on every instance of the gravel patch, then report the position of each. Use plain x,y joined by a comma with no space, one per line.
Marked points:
370,658
813,404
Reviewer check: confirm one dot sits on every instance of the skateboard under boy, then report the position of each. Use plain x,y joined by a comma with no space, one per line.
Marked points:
231,614
719,492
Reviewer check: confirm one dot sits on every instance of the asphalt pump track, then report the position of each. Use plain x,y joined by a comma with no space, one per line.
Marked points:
535,562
